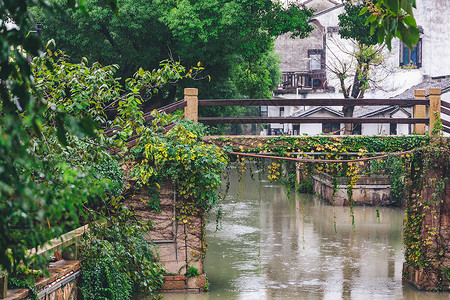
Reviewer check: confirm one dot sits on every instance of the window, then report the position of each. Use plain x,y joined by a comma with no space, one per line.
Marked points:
263,111
393,129
356,129
412,57
330,128
316,59
281,111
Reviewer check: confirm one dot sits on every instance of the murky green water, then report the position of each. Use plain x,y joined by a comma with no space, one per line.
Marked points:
271,247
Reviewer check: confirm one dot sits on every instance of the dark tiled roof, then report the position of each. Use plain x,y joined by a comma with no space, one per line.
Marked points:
444,85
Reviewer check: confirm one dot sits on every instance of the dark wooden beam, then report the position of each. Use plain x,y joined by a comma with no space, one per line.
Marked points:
445,123
445,104
311,102
293,120
446,129
167,109
445,111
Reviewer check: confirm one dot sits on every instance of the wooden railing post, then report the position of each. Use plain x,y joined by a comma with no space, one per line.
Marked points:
435,109
419,111
191,110
3,285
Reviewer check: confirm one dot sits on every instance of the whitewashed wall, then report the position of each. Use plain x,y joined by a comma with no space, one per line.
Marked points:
434,17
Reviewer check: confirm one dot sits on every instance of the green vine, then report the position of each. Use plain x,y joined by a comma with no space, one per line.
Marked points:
118,262
16,283
425,244
180,156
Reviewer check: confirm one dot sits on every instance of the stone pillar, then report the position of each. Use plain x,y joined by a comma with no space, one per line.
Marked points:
435,110
427,223
419,111
191,110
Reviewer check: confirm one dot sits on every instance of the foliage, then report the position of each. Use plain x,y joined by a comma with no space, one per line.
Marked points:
27,178
425,245
102,280
286,145
118,261
143,33
305,182
132,38
345,148
354,69
352,25
392,18
396,168
56,168
55,164
258,80
16,283
191,271
181,157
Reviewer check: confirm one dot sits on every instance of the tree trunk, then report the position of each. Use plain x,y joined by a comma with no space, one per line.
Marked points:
348,112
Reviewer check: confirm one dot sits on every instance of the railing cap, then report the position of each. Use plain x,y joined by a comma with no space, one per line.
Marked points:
191,92
420,93
434,91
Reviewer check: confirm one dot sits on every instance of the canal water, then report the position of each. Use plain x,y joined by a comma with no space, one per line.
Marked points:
271,245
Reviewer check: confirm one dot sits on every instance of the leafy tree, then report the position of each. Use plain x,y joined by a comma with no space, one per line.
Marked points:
132,39
54,166
353,25
368,24
259,79
221,34
392,18
363,57
37,185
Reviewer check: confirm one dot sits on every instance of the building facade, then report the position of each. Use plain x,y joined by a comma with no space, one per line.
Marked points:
306,65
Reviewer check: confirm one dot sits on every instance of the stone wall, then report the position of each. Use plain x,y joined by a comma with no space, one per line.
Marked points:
427,227
369,190
179,237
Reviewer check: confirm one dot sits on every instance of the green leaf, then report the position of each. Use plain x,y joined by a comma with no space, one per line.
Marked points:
380,36
412,3
61,131
410,21
406,6
393,26
414,35
371,19
363,11
373,26
393,5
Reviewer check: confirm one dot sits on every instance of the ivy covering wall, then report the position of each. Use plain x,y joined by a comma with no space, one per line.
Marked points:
427,221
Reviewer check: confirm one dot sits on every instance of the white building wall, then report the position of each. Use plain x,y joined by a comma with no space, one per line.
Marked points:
310,129
375,129
402,129
433,16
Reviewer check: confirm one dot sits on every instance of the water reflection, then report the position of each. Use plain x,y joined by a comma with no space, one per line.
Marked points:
271,247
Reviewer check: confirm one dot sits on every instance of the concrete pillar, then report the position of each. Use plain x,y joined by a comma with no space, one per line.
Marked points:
191,110
435,110
419,111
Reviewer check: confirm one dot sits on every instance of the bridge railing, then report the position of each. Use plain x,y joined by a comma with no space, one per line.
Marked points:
54,247
445,110
422,106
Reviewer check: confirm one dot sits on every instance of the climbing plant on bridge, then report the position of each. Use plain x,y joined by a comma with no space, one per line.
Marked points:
425,236
345,159
180,156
